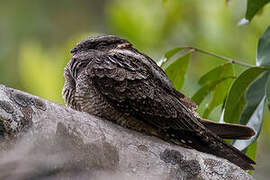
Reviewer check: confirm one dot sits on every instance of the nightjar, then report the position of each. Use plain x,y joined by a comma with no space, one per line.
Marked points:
109,78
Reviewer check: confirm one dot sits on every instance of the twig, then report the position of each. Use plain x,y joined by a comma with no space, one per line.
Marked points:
220,57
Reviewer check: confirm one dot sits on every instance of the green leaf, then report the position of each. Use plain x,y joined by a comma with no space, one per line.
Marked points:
267,91
206,89
218,95
251,152
235,101
252,114
254,122
263,49
217,81
177,69
172,52
253,6
254,95
215,74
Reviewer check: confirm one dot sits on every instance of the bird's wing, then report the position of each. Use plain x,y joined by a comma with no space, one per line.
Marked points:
186,100
129,84
133,87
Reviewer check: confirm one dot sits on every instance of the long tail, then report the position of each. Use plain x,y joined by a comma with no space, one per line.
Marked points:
206,141
228,131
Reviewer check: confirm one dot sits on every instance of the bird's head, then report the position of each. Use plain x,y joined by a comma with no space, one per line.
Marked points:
106,42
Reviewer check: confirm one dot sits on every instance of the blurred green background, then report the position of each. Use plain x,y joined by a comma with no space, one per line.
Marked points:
36,36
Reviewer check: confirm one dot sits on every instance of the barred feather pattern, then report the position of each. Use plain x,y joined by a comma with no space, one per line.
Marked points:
83,96
122,85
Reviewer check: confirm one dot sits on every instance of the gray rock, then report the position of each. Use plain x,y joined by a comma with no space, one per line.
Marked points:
43,140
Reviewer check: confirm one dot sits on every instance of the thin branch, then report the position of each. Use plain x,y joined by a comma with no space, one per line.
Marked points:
233,61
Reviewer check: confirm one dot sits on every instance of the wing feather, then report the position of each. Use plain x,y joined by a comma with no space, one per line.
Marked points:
130,84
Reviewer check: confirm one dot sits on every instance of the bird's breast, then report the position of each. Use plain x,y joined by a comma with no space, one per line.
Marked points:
90,100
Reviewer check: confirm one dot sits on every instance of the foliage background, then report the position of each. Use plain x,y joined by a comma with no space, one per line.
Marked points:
36,36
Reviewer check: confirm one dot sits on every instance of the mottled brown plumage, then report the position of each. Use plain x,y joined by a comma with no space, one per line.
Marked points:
109,78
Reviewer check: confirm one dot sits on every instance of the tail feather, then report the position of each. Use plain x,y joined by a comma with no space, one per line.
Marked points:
206,141
228,131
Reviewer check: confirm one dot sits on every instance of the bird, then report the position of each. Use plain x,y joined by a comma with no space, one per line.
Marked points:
107,77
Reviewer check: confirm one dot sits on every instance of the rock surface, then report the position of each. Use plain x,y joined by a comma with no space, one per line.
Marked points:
40,139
